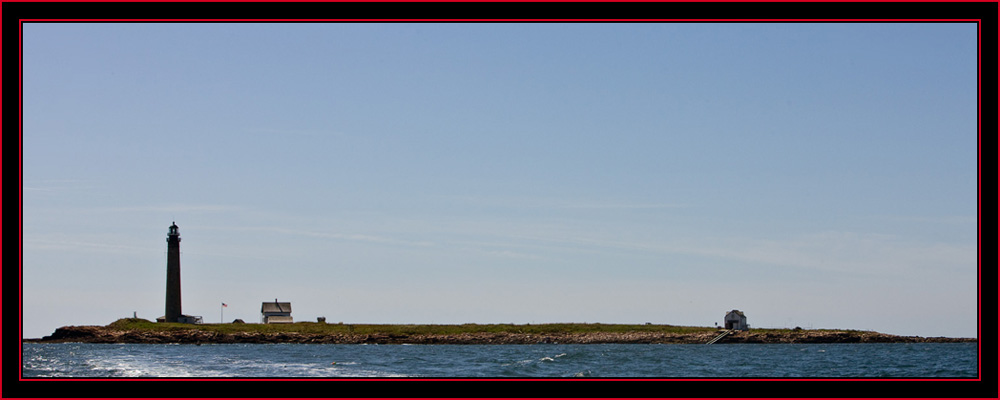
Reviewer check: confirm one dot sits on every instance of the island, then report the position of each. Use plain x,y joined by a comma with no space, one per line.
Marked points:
137,330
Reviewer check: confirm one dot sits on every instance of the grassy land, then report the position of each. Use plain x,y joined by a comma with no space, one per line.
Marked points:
138,324
134,330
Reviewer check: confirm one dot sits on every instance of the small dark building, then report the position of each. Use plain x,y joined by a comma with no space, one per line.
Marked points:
736,320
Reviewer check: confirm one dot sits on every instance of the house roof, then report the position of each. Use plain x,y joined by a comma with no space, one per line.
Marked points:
737,312
273,306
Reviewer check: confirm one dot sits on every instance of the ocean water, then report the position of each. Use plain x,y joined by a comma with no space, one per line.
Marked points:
897,360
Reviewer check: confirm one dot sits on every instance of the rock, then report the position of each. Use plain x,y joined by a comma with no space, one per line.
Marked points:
109,334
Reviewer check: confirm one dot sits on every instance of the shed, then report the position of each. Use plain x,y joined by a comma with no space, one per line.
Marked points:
275,312
736,320
184,319
189,319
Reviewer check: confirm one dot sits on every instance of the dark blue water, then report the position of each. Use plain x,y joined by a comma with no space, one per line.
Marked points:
916,360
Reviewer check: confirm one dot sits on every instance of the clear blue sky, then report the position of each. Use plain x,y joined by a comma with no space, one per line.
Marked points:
813,175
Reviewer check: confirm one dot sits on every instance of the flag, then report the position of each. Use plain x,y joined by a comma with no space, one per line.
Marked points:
224,305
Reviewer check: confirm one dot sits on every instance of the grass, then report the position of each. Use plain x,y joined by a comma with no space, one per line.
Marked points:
787,330
138,324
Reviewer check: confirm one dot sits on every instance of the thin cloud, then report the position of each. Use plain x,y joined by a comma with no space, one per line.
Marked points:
80,246
177,208
548,203
830,251
948,219
624,206
845,252
56,185
312,133
329,235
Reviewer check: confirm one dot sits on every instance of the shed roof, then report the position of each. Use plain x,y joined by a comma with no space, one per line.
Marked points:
273,306
737,312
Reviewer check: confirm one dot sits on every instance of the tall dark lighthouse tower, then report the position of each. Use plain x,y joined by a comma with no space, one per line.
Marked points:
173,311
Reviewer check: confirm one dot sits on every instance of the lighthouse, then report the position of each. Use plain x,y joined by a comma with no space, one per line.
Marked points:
173,307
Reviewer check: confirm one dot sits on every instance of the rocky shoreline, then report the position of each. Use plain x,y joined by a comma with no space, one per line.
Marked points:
102,334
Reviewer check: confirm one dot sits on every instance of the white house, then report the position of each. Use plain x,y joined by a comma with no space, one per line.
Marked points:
275,312
736,320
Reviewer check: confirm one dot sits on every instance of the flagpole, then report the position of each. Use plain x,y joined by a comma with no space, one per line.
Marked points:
221,308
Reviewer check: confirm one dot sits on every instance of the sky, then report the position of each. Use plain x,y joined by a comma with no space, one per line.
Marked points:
820,175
